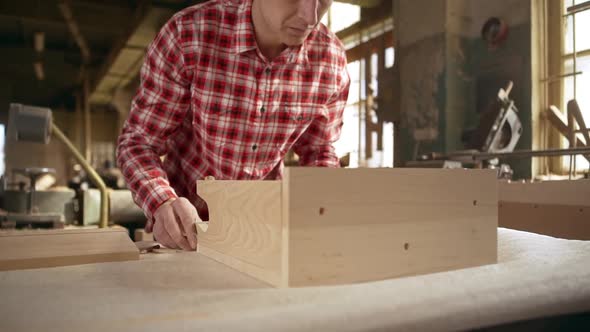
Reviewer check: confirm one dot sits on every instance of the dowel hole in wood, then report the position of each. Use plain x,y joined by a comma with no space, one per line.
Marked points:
581,210
406,246
322,210
474,202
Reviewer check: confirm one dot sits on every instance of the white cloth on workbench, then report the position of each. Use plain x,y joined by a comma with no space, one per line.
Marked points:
537,276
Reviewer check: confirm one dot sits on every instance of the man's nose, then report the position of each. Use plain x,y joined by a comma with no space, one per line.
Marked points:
308,11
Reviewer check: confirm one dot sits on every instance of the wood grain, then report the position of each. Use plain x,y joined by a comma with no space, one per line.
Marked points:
244,223
351,225
39,249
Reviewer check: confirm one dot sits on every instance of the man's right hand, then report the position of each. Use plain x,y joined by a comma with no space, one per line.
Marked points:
174,225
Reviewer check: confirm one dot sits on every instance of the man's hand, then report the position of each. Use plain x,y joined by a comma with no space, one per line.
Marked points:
175,224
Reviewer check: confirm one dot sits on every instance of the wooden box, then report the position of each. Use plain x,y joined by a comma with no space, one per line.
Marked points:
321,226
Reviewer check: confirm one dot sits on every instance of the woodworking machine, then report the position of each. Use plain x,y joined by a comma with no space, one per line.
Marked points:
498,131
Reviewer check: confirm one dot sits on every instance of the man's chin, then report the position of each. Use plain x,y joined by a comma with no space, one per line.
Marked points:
294,39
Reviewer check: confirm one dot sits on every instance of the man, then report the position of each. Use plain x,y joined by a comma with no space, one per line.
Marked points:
227,88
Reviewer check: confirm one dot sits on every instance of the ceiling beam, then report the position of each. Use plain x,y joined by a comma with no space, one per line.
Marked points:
59,22
47,13
134,22
69,53
173,5
363,3
20,55
116,5
66,11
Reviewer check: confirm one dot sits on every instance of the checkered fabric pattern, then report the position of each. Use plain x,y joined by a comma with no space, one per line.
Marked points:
210,104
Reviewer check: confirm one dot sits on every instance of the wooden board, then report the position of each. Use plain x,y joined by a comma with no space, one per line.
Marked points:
555,208
39,249
321,226
574,192
563,221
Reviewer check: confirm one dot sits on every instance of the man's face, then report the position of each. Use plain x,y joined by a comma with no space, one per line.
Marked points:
293,20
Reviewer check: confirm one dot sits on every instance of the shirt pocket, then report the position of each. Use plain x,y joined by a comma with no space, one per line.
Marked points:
296,117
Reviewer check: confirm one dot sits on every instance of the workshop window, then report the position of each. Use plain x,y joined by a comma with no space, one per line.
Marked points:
349,138
576,66
341,15
366,47
389,57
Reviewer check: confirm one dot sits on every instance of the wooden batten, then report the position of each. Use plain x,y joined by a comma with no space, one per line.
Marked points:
50,248
321,226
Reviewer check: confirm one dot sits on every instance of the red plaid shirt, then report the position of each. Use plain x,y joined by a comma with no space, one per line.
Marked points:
213,105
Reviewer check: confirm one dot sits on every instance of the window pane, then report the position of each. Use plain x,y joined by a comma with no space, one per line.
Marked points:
349,138
569,35
389,57
344,15
374,72
582,85
354,72
582,28
582,96
566,4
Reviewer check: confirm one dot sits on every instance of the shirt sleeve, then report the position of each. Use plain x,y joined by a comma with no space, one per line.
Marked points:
315,146
157,109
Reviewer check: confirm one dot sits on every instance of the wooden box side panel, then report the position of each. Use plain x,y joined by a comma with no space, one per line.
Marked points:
40,249
353,225
244,229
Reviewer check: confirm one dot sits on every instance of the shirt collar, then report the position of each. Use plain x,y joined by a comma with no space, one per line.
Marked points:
245,38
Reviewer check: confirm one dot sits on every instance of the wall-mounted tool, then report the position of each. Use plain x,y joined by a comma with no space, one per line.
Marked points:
499,128
494,32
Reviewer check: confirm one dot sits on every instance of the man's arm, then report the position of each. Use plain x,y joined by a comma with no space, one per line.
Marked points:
158,108
315,146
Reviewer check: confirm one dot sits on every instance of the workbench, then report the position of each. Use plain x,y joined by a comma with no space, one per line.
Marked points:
537,277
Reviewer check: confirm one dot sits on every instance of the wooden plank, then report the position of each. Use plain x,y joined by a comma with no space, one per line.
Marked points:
351,225
245,220
38,249
574,192
563,221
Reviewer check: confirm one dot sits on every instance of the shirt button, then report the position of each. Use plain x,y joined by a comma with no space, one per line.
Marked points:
268,70
262,109
254,147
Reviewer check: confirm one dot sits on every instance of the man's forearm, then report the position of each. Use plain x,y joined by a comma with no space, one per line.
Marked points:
143,172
